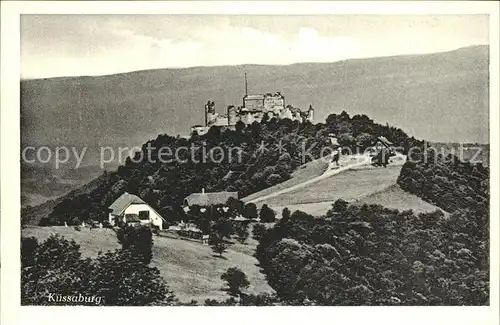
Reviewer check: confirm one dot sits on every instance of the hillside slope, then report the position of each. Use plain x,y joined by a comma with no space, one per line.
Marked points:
33,214
394,197
439,97
188,267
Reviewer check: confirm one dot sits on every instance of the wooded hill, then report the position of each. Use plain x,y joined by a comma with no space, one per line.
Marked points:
165,185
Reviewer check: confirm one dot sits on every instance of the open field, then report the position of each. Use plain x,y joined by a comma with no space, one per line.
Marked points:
314,209
192,271
189,268
394,197
349,185
90,241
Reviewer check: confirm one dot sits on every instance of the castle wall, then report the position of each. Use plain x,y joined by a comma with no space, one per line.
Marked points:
274,103
254,104
232,117
310,115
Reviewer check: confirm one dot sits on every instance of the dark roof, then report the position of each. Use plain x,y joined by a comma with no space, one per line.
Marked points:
206,199
123,202
384,141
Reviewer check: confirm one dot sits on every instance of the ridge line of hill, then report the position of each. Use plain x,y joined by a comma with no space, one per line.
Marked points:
244,65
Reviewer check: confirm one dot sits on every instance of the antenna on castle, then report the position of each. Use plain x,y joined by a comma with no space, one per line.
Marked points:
246,85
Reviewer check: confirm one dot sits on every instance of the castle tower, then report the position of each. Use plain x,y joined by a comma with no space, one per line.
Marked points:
310,114
286,113
231,115
210,114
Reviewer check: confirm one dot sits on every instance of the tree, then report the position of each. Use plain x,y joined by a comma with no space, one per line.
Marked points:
340,206
250,211
285,215
53,266
273,179
347,140
240,126
267,214
123,279
258,231
236,281
118,278
28,249
218,244
364,140
236,205
138,239
242,231
223,228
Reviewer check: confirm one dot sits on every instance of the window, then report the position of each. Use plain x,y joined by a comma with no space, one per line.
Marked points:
143,215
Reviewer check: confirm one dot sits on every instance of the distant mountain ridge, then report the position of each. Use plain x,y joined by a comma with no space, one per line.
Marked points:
440,97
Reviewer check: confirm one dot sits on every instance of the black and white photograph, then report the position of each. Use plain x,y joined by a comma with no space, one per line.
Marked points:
234,159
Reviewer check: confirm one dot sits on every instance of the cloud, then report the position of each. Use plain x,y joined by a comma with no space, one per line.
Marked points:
98,45
130,51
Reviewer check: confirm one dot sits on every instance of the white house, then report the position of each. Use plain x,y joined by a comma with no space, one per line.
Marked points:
131,207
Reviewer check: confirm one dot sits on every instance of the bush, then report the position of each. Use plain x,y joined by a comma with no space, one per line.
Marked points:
235,205
138,239
250,211
340,206
242,231
106,224
218,244
236,281
285,214
258,231
273,179
267,214
118,278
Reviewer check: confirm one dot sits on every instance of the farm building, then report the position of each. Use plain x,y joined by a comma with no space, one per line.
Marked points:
130,208
383,142
207,199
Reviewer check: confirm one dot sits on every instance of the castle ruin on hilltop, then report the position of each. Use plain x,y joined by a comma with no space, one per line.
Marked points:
254,108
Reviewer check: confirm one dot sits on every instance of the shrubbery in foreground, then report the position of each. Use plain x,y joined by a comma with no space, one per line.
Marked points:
120,278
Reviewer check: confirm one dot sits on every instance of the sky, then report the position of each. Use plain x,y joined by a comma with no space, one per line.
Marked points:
76,45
